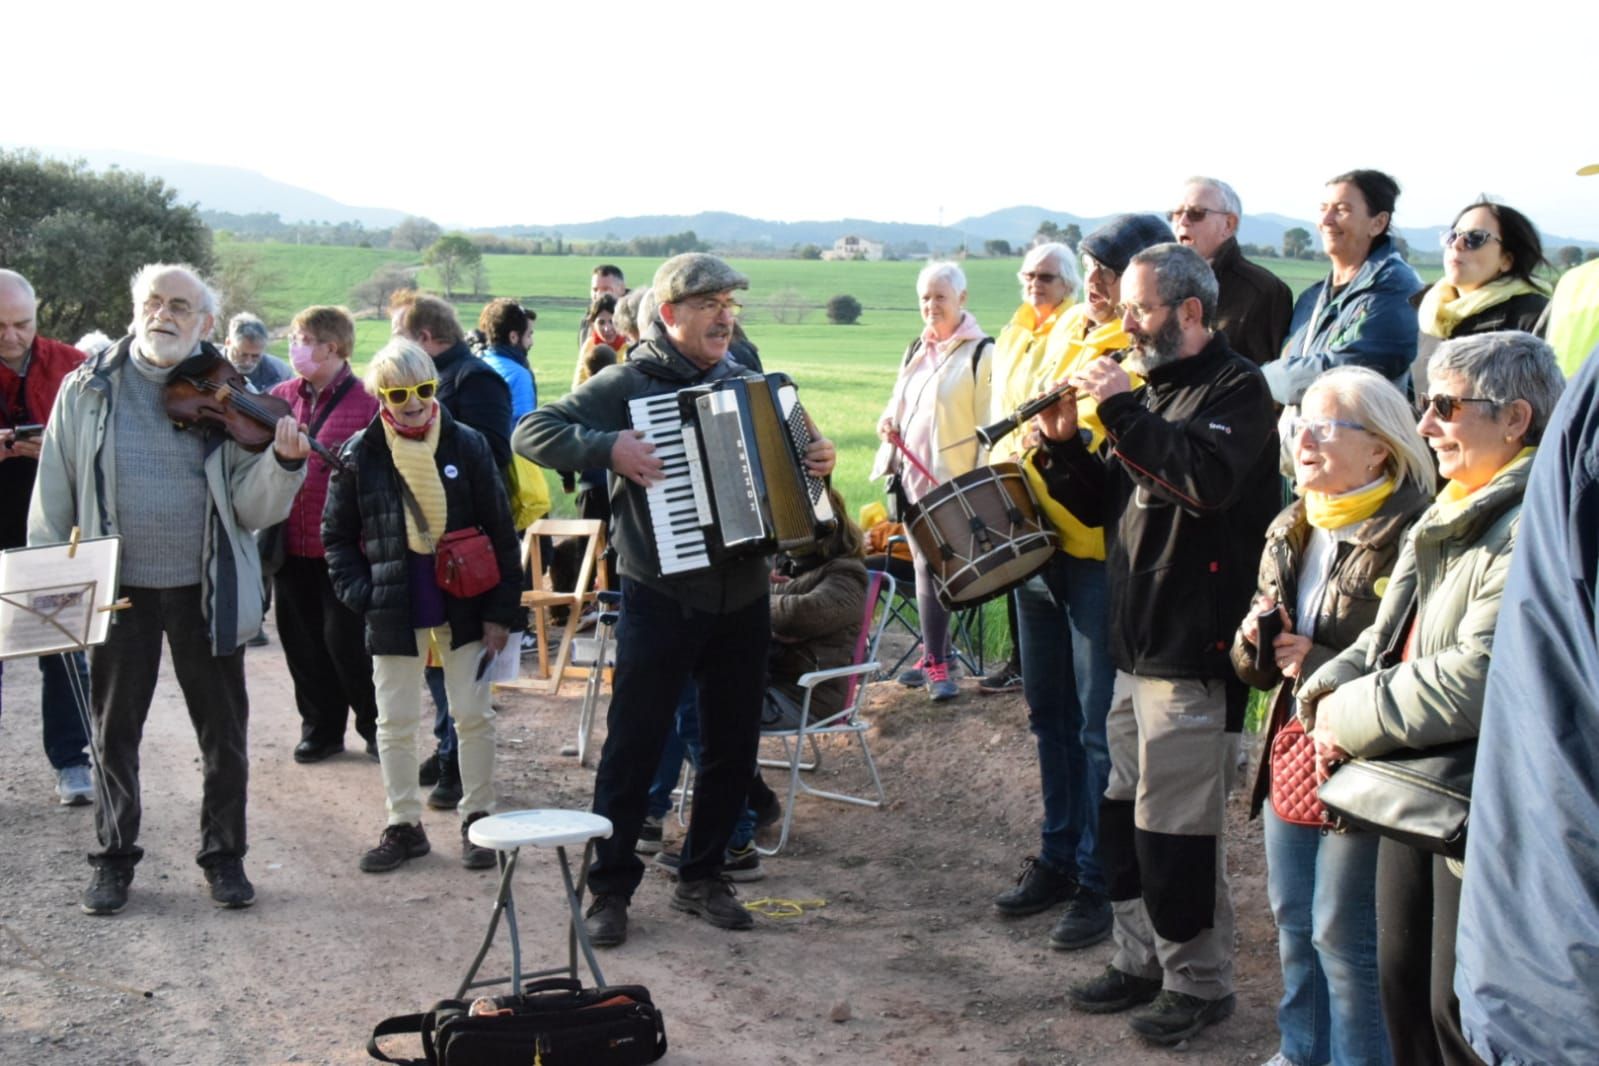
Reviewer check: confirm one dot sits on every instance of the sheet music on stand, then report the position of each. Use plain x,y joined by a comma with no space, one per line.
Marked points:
57,598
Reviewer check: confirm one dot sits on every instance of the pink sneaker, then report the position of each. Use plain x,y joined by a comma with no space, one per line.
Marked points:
939,686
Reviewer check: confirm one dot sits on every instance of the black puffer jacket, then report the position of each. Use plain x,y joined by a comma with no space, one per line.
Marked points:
475,394
363,528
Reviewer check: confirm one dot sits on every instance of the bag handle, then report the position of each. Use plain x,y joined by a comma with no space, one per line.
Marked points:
416,511
402,1023
552,984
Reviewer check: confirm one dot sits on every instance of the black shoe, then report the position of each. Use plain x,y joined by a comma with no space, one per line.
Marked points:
311,751
1007,678
446,795
472,856
229,887
398,843
1176,1016
108,890
742,865
258,641
769,813
372,750
714,900
1113,991
427,775
649,836
606,921
1087,921
1038,887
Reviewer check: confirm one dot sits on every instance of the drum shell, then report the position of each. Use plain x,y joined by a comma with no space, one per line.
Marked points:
983,563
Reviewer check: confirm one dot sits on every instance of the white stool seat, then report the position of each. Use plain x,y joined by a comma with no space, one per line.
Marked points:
537,829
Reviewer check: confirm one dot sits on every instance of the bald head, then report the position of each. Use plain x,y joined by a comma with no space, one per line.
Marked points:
18,307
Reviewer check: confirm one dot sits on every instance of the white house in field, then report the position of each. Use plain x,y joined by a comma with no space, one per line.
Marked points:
854,248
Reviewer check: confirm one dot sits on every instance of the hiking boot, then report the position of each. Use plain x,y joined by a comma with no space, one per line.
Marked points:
1176,1016
939,687
75,786
474,857
742,864
606,920
108,890
649,836
915,677
398,843
427,775
1087,921
1007,678
446,795
714,900
229,887
1112,991
1038,887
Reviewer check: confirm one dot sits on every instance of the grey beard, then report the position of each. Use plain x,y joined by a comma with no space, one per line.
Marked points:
1142,362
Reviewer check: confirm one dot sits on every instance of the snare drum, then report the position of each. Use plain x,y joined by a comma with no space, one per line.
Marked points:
981,534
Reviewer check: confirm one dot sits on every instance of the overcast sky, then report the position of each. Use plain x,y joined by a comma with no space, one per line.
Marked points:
500,113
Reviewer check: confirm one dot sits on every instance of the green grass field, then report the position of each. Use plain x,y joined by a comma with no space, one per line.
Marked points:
845,373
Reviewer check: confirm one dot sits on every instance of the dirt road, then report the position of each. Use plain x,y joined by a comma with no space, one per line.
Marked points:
906,943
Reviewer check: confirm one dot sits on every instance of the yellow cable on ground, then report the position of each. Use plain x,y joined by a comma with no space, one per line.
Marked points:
783,908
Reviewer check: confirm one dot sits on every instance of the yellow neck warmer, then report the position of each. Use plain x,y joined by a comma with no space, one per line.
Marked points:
1346,508
1452,500
413,460
1445,307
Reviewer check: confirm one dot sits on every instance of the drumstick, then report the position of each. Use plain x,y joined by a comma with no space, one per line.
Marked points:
898,442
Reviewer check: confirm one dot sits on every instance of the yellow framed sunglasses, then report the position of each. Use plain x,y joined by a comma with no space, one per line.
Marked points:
400,395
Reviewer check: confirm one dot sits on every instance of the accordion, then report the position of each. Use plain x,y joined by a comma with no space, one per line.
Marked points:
735,482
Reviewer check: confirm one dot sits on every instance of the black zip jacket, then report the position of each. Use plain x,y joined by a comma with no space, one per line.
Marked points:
477,396
1185,486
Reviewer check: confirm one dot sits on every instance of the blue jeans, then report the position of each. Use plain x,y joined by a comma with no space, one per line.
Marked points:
1063,626
1323,891
66,736
681,741
443,725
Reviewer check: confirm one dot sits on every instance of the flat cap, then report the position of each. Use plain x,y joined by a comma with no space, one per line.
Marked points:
694,274
1118,240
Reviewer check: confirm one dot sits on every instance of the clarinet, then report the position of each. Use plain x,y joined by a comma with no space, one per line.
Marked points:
991,434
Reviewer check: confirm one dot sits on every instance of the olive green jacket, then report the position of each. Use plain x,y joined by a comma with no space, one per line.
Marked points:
1456,563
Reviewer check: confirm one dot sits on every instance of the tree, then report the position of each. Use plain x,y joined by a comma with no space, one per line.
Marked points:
997,248
480,277
787,305
385,281
1047,231
843,310
1590,255
808,251
240,279
1568,256
415,234
1296,243
78,237
1072,234
452,256
1402,246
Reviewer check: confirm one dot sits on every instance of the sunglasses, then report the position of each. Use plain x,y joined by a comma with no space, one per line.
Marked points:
1445,407
1193,215
1042,277
1469,240
400,395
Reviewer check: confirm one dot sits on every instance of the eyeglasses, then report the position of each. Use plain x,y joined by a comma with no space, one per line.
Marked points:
179,309
1193,215
1140,312
1321,430
715,307
1469,240
400,395
1446,406
1092,266
1039,276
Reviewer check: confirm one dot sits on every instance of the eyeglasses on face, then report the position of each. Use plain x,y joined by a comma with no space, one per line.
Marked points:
1042,277
710,306
1092,266
1321,430
1469,239
400,395
1446,407
1140,312
1193,215
179,309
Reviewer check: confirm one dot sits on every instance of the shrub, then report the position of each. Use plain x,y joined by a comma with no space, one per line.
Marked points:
843,310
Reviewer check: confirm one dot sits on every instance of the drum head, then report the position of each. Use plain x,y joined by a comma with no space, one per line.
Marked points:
981,534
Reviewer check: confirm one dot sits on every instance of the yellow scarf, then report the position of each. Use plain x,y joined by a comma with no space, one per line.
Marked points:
1346,508
413,460
1452,500
1445,307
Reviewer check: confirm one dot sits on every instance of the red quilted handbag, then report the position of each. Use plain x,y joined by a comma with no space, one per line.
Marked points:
1294,777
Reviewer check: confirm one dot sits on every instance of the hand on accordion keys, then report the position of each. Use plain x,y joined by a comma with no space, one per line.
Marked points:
633,457
820,455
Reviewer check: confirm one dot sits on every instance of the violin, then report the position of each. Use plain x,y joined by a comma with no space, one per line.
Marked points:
207,391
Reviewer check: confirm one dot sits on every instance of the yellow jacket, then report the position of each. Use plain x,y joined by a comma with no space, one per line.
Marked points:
1573,317
1018,362
1071,345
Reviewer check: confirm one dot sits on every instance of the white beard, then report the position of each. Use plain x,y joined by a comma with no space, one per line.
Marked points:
164,350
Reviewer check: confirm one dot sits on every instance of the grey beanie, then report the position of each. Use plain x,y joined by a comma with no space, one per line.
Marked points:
694,274
1117,241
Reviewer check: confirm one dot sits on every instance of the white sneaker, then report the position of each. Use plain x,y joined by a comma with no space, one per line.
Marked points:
75,786
1279,1059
